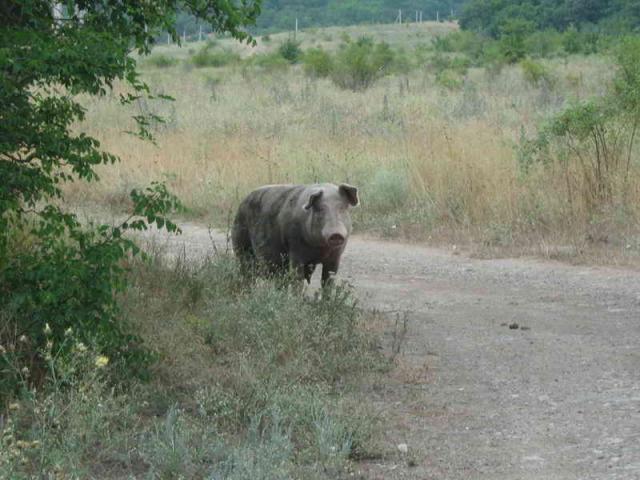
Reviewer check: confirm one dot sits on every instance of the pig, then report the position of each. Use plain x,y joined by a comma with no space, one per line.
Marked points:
295,227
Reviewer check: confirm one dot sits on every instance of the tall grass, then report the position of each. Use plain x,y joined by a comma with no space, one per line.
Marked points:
455,145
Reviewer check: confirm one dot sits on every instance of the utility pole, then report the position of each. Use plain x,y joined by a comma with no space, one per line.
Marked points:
416,16
168,38
200,34
295,34
400,16
184,36
420,16
437,15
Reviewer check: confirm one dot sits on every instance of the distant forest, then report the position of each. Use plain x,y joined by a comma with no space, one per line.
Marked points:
493,16
486,16
280,15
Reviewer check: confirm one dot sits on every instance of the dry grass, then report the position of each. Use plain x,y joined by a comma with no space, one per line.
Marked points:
447,159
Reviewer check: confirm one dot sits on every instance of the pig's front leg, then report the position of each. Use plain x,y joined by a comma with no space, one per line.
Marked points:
329,270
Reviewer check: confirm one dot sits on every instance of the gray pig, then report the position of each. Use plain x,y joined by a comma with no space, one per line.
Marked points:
295,226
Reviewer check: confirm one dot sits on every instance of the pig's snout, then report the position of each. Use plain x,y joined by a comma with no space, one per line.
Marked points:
336,240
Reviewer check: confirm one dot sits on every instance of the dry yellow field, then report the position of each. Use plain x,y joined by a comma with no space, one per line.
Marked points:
432,162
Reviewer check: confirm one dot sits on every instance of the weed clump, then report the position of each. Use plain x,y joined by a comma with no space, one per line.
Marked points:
251,381
207,56
161,61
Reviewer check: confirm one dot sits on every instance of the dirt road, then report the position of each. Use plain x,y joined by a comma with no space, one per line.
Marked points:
474,397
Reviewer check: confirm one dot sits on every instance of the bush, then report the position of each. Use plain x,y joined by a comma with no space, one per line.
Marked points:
269,62
627,80
207,57
543,44
512,39
535,73
462,41
359,64
317,63
161,61
290,50
575,41
60,282
449,79
571,40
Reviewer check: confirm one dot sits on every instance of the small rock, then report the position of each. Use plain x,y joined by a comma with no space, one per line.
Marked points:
403,448
514,326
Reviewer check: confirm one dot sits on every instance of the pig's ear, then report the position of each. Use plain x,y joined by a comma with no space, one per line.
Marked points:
313,199
351,193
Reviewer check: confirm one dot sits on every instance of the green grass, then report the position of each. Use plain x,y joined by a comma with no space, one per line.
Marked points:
251,381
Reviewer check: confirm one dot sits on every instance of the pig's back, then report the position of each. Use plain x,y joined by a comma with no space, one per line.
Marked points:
266,213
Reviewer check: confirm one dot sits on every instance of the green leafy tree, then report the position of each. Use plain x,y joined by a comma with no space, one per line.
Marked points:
53,270
512,39
489,16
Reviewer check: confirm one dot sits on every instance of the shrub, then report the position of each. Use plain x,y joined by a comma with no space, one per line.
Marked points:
359,64
290,50
161,61
543,44
535,73
206,57
571,40
449,79
587,132
627,80
462,41
317,63
269,62
512,39
449,70
66,276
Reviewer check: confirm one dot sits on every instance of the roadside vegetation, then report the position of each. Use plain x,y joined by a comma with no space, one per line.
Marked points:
244,381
